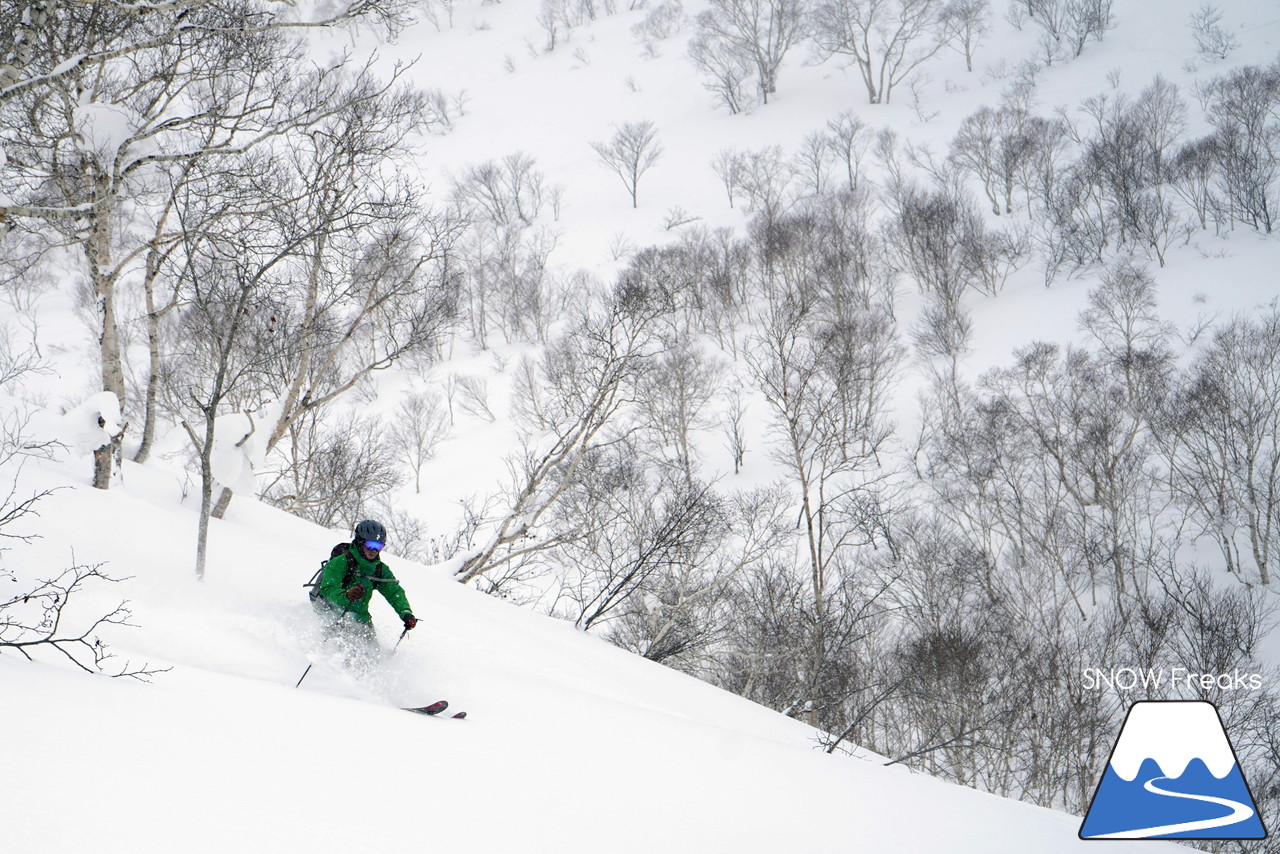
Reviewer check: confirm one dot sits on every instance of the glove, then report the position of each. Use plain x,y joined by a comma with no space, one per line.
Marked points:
354,594
409,621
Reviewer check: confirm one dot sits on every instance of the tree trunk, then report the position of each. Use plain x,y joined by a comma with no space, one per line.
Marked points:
154,259
224,502
296,401
98,252
102,467
149,415
206,492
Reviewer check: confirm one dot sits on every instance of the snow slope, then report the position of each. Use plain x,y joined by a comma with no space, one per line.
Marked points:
572,745
517,97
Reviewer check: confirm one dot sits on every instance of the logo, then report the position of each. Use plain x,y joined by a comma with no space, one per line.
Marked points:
1172,775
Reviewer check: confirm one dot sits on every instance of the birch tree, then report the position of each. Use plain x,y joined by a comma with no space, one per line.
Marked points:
1224,435
570,402
99,100
886,40
226,333
370,277
826,371
759,32
631,152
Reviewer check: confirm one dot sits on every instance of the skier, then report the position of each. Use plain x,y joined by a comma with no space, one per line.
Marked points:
347,583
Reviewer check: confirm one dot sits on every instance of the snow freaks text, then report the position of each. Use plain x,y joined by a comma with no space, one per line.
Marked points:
1152,678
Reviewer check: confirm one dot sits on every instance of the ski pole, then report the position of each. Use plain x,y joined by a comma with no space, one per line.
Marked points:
402,634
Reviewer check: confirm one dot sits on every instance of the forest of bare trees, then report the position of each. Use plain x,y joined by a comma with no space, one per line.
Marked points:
934,595
927,577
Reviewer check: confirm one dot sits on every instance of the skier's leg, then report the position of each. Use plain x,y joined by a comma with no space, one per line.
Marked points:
358,642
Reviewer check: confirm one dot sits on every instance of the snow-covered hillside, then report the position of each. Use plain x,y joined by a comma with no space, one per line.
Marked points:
512,96
570,746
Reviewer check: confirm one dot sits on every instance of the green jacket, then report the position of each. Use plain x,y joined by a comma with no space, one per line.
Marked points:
372,574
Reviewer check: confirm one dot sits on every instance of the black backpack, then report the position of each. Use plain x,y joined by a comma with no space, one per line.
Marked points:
340,549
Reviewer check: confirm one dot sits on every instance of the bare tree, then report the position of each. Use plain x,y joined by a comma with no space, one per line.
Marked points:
1241,105
373,275
1213,43
420,425
505,281
1128,160
1224,437
16,445
36,619
1068,25
1041,173
632,152
660,22
968,19
439,13
807,660
568,404
552,19
723,69
996,146
674,395
1051,467
99,100
759,32
226,335
734,427
767,181
1193,174
638,541
257,87
510,192
939,237
473,396
823,252
705,275
556,16
849,138
39,41
886,39
812,163
729,166
335,468
1119,193
825,373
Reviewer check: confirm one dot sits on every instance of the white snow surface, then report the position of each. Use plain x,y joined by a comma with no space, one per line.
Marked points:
571,744
1172,734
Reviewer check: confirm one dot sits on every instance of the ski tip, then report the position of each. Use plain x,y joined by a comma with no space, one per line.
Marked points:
460,715
433,709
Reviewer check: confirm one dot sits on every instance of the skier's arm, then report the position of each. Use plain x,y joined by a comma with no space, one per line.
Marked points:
393,593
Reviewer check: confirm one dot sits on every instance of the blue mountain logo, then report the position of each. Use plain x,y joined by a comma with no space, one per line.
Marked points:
1173,775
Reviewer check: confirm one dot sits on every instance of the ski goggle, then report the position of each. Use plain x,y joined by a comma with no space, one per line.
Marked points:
374,545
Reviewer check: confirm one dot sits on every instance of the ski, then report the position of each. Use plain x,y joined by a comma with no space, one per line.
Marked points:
433,709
